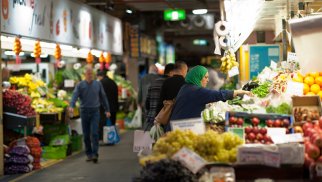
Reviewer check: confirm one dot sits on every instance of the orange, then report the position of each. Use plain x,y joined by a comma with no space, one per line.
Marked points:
315,88
320,94
314,74
320,73
310,93
318,80
306,88
309,80
298,78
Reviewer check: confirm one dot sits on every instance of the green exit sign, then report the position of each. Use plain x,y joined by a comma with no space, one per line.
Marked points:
174,15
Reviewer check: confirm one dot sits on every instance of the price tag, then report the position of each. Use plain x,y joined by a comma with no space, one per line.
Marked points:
196,125
294,88
234,71
273,65
272,158
189,159
69,83
278,135
294,138
21,142
291,56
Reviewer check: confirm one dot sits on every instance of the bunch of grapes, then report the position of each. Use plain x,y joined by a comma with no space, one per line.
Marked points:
151,158
207,145
166,170
174,141
231,140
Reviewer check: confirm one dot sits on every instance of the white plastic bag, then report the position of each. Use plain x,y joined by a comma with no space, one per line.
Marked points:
156,132
137,119
142,141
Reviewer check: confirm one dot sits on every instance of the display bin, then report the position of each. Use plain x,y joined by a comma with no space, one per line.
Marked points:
262,117
54,152
14,121
77,143
49,118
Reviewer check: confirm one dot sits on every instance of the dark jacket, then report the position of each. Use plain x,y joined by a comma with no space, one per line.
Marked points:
191,100
111,91
170,89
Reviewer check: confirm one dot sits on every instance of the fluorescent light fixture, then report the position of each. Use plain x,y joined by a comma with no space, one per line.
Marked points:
96,53
199,11
41,55
11,53
47,45
129,11
200,42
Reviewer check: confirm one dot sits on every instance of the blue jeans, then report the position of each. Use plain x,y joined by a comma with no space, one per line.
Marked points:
90,120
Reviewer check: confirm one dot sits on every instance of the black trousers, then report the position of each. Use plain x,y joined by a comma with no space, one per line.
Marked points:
103,122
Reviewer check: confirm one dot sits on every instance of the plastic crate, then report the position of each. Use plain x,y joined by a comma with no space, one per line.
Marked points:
14,121
77,143
52,152
262,117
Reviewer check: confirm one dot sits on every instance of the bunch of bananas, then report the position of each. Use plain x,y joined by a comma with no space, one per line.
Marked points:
44,106
37,49
17,46
28,81
57,52
89,58
101,59
228,62
108,58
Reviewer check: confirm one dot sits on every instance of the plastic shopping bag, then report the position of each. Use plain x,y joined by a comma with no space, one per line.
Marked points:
156,132
137,119
110,134
142,141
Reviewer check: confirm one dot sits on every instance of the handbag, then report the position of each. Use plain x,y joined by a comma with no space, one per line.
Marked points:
110,135
163,116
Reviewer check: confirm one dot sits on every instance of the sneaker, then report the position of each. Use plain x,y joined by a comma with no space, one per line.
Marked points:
89,159
95,159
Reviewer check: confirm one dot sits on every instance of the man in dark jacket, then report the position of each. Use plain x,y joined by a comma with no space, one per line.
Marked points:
111,92
153,96
172,85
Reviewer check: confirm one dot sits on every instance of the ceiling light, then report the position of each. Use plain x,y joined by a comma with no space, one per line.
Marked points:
129,11
11,53
199,11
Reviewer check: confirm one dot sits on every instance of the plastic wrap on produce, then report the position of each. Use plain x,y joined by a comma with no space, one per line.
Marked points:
291,153
307,38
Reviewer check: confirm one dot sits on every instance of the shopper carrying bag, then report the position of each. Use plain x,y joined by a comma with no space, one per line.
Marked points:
163,116
110,135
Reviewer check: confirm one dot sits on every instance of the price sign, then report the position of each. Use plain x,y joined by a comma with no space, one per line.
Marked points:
294,138
189,159
272,158
273,65
233,72
294,88
69,83
291,56
196,125
278,135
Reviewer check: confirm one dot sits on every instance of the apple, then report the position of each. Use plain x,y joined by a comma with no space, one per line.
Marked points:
248,130
308,132
251,136
255,121
248,141
269,123
298,129
287,131
308,161
286,122
263,131
266,138
232,120
312,150
256,141
277,123
255,130
306,126
259,137
240,121
316,139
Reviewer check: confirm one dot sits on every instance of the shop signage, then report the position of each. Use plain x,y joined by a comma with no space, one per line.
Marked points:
196,125
61,21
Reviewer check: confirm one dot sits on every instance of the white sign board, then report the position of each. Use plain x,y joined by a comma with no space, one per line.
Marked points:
233,72
196,125
189,159
69,83
61,21
294,88
291,56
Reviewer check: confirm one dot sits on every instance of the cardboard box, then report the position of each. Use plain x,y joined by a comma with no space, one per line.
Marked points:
309,103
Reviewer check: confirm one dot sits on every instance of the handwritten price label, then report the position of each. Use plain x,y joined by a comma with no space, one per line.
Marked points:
189,159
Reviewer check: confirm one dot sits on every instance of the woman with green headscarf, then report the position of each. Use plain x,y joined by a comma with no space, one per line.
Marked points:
193,96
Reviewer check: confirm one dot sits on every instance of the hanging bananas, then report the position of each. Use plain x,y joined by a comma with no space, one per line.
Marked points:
37,49
89,58
57,53
228,62
17,46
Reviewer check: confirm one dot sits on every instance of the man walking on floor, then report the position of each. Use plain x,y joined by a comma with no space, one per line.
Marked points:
92,96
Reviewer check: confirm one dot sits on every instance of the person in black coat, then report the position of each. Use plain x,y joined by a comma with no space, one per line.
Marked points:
111,91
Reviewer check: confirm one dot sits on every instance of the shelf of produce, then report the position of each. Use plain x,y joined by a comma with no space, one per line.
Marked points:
285,172
14,121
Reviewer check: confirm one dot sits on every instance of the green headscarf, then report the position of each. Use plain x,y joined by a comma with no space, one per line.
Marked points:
195,75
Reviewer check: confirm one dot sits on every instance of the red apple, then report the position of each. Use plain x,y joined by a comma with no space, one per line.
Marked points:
232,120
316,139
298,129
255,130
308,161
306,126
319,160
266,138
240,121
259,137
248,129
286,122
248,141
312,150
269,123
287,131
263,131
256,141
277,123
251,136
308,132
255,121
